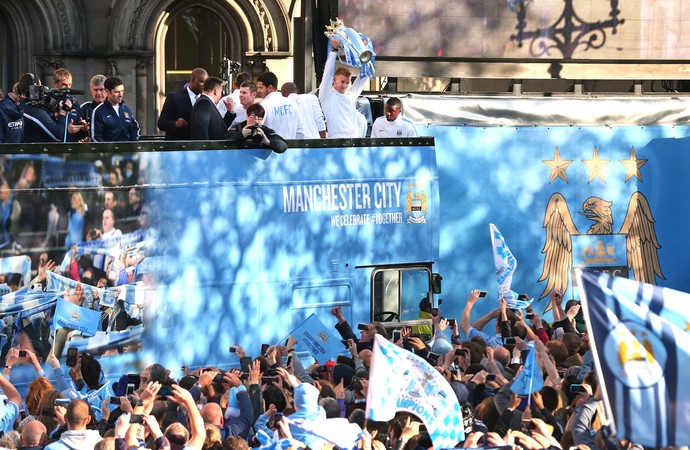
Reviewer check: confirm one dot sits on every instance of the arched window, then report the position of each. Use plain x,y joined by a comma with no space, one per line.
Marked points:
196,37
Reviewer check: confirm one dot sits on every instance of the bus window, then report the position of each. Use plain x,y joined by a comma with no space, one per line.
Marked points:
396,293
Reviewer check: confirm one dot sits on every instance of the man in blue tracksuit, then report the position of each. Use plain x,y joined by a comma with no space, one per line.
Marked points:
11,120
112,120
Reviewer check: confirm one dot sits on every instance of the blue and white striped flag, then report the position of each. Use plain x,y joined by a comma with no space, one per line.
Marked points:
27,301
103,341
402,381
505,264
58,283
641,346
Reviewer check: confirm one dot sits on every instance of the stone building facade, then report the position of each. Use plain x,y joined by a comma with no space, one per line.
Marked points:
151,44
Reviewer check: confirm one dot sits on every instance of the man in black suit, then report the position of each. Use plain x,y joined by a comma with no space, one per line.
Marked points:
175,115
206,123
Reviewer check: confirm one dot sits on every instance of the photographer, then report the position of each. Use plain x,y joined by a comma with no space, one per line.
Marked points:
40,125
251,133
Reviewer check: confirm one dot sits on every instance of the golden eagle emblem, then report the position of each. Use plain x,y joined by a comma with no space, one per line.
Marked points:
638,227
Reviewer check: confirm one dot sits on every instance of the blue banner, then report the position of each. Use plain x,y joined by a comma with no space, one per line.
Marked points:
402,381
530,380
639,337
313,336
69,315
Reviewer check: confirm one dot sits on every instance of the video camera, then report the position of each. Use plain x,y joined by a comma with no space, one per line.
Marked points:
51,99
256,135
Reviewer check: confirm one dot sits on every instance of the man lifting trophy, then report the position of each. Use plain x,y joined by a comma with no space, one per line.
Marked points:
339,98
357,48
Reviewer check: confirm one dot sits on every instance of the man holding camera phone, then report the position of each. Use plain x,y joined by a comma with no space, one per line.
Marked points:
475,329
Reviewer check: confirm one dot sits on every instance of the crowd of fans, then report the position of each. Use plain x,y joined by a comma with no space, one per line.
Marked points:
260,404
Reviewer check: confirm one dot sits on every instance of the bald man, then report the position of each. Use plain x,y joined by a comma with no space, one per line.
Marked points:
177,109
34,435
77,436
237,426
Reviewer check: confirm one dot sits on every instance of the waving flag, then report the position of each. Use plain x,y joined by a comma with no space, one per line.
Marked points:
27,301
639,338
313,336
70,315
505,264
530,379
402,381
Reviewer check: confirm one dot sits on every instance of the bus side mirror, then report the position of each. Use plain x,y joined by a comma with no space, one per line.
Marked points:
436,283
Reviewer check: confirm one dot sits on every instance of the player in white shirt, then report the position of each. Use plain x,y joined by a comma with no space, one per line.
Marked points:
393,124
282,114
309,110
339,99
240,112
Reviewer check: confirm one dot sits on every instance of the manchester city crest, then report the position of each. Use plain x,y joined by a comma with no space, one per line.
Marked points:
416,206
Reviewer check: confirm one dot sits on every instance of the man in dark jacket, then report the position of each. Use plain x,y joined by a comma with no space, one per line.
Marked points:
40,125
177,109
11,119
251,133
112,120
206,123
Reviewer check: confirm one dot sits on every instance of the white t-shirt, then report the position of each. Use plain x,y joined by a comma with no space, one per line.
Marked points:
237,106
282,116
400,127
340,109
311,114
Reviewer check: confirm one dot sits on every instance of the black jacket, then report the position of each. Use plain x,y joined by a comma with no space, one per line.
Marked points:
206,123
178,104
275,141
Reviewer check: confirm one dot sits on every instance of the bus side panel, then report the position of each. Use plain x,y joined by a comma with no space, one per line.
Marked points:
255,242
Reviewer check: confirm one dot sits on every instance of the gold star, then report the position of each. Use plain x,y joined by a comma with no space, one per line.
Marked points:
633,166
687,326
597,167
557,166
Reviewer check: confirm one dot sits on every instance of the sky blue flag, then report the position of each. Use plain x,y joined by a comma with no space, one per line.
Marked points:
70,315
313,336
639,337
530,379
505,264
399,380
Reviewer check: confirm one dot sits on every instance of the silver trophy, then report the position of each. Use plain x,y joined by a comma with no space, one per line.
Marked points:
357,48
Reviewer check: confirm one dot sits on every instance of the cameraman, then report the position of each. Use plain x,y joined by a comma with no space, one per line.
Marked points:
40,125
251,133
